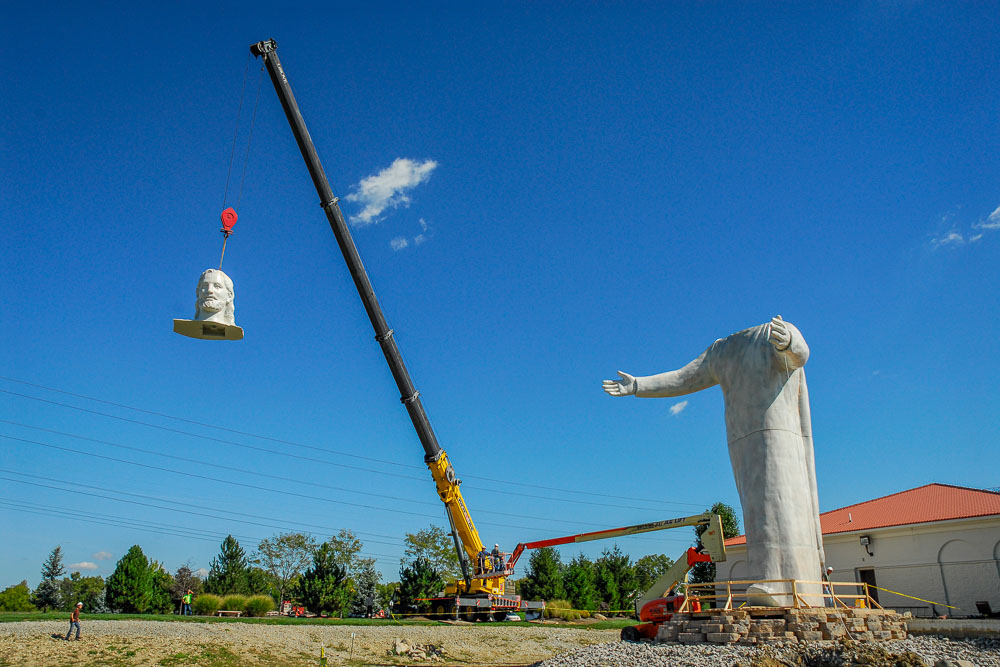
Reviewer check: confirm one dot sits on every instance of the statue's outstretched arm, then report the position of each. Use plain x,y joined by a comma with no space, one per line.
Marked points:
693,377
788,342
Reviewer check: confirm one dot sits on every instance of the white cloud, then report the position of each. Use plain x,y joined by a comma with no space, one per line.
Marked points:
83,565
388,188
678,408
419,238
399,243
423,223
991,222
201,572
952,238
102,555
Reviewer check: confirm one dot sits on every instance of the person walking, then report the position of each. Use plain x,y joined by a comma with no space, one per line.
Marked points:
74,621
186,609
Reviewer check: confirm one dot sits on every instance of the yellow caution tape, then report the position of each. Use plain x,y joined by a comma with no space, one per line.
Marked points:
913,597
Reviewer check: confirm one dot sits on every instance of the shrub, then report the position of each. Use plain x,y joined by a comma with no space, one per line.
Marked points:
234,603
206,604
259,605
564,609
16,598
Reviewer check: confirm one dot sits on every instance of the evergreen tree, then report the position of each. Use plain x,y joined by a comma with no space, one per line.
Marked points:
130,589
703,573
616,575
544,579
229,571
324,588
418,580
48,595
366,581
578,581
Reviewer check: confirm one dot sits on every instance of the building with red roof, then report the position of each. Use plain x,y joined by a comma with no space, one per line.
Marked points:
938,544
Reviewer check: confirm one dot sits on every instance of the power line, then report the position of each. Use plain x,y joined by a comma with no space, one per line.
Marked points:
296,444
223,518
169,509
281,491
124,522
379,558
291,479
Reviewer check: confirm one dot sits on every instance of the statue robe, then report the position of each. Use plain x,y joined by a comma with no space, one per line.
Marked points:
770,446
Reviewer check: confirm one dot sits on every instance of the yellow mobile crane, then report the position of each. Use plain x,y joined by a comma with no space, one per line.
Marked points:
475,593
479,592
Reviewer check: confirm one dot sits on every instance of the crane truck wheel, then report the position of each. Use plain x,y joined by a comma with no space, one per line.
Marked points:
630,634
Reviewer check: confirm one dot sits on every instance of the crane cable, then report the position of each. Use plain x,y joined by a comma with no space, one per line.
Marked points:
229,215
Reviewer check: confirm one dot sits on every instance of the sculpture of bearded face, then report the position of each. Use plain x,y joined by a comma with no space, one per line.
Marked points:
215,297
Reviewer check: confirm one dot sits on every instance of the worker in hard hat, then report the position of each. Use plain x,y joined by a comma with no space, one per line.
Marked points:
497,560
827,590
481,560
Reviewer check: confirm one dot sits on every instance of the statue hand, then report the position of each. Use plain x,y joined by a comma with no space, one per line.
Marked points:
780,337
623,387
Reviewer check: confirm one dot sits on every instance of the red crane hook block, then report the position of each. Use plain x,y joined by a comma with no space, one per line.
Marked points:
228,220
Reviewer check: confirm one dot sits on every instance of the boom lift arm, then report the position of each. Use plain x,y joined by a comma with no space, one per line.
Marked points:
713,521
467,540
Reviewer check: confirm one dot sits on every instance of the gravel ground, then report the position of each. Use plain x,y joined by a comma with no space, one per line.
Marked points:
230,644
912,652
225,644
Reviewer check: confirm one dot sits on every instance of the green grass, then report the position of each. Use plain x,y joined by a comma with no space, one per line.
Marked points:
16,616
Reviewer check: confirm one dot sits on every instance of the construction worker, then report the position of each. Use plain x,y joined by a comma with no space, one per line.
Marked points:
186,609
828,600
497,560
481,560
74,621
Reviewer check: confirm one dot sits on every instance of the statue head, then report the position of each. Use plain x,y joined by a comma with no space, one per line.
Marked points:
215,298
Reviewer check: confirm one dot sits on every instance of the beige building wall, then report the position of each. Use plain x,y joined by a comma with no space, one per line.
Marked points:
953,563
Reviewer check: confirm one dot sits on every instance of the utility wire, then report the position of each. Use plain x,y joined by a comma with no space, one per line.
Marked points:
285,492
276,525
61,514
301,481
296,444
223,518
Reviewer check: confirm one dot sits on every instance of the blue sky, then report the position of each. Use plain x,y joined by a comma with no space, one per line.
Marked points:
543,193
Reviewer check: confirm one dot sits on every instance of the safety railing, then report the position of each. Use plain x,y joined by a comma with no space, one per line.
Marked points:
792,593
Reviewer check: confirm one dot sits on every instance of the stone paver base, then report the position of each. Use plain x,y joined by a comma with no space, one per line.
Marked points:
763,625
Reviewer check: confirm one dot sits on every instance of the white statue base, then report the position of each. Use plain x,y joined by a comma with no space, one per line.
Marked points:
208,330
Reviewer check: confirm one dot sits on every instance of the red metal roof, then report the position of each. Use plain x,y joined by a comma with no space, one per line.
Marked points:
931,502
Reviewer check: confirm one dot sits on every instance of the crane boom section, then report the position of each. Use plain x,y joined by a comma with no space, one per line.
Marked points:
448,484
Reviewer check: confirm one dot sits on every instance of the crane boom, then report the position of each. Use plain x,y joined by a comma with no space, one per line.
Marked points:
464,533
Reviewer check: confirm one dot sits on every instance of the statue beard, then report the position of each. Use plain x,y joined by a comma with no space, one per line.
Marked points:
213,305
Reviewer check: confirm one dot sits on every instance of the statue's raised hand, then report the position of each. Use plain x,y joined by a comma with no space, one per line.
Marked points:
780,337
623,387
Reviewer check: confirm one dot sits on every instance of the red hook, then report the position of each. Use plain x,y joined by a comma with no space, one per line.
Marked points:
228,220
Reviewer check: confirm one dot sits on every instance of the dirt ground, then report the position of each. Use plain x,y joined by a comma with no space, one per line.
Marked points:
231,644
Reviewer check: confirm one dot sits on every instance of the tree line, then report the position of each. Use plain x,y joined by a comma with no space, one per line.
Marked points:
332,578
